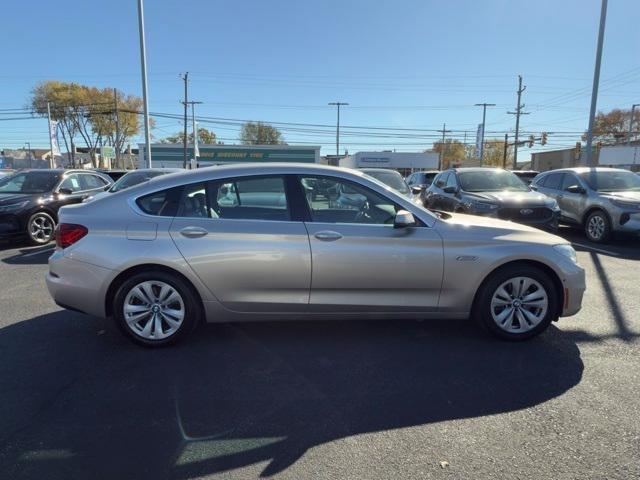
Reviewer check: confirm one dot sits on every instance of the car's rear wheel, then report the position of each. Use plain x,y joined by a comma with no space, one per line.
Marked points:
517,302
40,228
597,227
155,309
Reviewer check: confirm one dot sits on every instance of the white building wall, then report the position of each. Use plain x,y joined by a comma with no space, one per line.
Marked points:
393,160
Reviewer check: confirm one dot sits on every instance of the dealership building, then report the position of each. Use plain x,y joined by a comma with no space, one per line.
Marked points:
172,155
404,162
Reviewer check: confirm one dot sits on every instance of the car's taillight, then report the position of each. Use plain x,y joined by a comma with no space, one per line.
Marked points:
69,233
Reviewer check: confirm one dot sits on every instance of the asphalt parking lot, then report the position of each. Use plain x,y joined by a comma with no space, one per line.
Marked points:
436,399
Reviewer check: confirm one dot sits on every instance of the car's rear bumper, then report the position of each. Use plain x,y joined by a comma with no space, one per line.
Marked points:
78,285
574,286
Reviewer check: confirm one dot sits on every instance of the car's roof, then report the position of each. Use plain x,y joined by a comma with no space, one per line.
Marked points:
585,170
161,169
367,169
525,172
477,169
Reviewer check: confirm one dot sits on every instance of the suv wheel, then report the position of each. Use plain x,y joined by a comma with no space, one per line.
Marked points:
40,228
155,309
516,303
597,227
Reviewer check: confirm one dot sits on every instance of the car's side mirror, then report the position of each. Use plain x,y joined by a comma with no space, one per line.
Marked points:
403,219
417,189
450,189
575,189
107,187
65,191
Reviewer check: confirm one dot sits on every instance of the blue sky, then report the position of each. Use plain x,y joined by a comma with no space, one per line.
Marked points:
401,63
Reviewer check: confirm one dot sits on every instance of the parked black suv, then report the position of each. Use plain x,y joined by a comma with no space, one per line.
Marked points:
491,192
30,200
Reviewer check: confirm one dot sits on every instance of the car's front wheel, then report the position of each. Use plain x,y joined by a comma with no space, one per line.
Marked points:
155,309
40,228
517,302
597,227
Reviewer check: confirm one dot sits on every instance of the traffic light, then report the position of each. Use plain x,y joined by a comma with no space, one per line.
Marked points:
531,140
543,139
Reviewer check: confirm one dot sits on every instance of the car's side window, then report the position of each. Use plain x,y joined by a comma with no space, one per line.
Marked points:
452,181
249,198
570,180
554,181
91,182
193,202
163,203
72,182
441,180
336,200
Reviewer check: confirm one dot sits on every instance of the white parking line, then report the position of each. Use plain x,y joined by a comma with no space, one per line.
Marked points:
31,254
606,252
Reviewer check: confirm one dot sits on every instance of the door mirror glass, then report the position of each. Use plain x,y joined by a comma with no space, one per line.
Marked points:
65,191
417,189
450,189
403,219
575,189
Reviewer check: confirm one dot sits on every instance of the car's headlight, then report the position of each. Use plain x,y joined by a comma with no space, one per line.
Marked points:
627,205
567,251
14,206
482,206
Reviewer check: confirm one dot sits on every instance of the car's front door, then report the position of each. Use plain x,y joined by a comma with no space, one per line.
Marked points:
240,238
361,263
572,203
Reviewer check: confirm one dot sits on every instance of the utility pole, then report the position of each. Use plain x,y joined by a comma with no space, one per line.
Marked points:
29,152
117,122
145,99
443,146
633,107
185,102
484,115
196,154
337,104
506,150
52,162
517,113
596,81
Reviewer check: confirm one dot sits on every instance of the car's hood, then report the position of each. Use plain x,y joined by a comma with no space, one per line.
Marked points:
511,198
492,228
630,196
10,198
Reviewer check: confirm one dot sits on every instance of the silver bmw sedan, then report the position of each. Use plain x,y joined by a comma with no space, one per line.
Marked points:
279,241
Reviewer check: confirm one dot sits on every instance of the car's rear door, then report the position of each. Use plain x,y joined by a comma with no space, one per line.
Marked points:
361,263
240,237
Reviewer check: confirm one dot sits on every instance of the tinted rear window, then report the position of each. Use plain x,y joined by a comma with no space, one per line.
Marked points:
163,203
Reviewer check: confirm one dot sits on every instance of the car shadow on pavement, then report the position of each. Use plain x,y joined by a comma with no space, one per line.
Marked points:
81,401
31,256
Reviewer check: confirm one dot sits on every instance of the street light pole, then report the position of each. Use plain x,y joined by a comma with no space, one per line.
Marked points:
596,81
145,99
633,107
484,116
338,104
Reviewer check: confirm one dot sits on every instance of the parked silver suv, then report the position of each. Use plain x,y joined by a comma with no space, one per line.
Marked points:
602,200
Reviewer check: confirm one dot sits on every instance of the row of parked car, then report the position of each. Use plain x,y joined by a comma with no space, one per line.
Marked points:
603,201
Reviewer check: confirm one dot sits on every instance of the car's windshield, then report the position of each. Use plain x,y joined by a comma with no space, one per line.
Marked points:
133,178
29,182
390,178
612,181
491,181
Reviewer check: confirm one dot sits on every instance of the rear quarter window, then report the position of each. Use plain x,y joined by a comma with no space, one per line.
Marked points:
163,203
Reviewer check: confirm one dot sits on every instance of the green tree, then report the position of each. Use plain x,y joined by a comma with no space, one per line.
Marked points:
494,153
453,151
205,136
258,133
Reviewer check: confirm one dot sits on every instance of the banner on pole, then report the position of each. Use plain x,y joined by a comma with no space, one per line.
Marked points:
479,138
53,135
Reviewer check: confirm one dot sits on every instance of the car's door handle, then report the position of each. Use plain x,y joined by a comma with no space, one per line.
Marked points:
193,232
328,235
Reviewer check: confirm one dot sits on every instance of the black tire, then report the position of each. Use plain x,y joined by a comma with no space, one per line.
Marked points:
482,310
190,300
597,221
40,228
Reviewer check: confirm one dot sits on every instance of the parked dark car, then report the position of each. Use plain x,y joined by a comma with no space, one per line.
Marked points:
390,178
492,192
526,176
133,178
422,179
114,175
30,200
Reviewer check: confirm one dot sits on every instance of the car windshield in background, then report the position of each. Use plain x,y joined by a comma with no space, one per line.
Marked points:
133,178
391,179
491,181
29,182
615,181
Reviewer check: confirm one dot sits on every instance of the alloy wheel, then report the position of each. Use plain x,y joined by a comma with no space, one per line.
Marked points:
596,227
41,228
153,310
519,305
